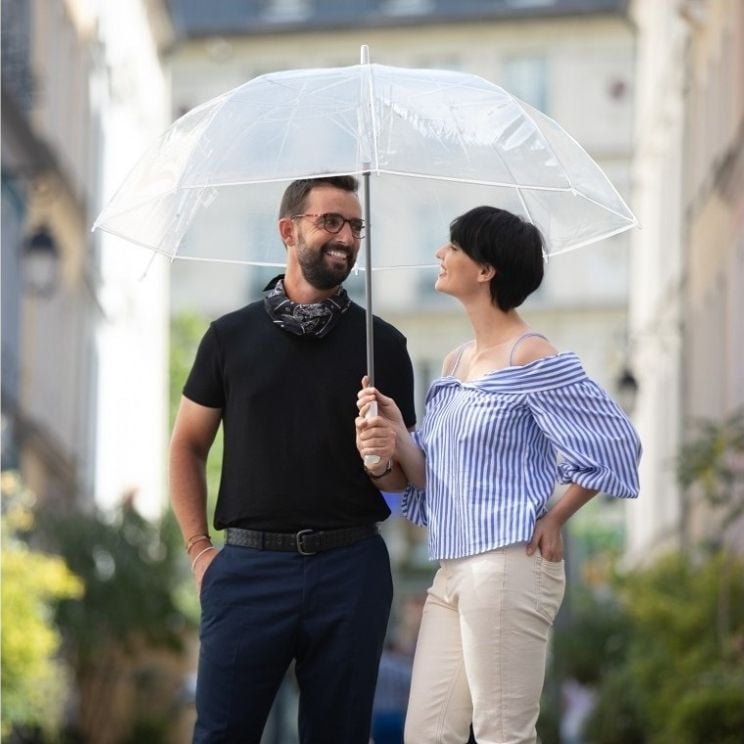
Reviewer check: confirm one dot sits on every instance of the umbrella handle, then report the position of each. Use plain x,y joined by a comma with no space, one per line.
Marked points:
371,411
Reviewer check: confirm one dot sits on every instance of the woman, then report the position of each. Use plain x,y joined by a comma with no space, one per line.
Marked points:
479,473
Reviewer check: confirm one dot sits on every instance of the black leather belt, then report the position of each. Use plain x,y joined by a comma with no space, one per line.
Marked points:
305,542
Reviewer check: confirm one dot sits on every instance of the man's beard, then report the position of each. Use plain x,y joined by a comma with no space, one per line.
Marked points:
315,269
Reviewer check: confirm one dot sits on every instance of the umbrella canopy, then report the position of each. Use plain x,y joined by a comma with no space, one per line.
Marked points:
425,137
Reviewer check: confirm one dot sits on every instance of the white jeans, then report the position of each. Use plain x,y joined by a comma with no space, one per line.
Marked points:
481,648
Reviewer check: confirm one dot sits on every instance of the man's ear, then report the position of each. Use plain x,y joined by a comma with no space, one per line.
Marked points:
287,230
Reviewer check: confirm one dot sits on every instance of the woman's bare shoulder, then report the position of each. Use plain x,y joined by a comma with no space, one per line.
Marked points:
450,361
532,348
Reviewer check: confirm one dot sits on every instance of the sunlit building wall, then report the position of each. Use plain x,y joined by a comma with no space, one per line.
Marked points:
686,311
131,100
84,401
713,193
48,418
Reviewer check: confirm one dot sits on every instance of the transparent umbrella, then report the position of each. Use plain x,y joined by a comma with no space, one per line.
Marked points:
428,145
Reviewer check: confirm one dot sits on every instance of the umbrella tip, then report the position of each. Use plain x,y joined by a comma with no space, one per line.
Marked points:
364,54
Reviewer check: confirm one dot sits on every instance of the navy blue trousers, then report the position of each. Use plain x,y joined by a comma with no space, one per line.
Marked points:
261,609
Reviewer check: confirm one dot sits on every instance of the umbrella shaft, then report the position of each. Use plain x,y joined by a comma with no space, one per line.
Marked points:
368,282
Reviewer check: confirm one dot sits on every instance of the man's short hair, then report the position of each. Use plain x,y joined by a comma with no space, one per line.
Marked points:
293,201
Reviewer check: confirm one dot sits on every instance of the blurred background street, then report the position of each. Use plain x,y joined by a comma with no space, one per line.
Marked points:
99,616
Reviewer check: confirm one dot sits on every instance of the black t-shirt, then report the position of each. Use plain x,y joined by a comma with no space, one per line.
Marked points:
288,408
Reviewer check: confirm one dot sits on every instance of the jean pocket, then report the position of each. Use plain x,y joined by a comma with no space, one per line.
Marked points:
551,586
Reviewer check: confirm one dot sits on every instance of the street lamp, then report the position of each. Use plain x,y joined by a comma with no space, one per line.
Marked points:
40,262
627,389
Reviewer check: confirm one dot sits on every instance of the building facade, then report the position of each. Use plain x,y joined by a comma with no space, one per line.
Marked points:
49,324
686,311
713,206
84,343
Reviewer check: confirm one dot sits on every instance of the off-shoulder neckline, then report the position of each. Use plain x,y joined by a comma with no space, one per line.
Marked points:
514,369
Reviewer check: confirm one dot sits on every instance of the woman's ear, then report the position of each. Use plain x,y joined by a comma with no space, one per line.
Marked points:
486,273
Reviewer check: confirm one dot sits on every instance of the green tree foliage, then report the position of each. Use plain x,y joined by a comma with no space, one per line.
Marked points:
130,569
664,648
712,465
679,674
186,331
120,631
595,640
33,677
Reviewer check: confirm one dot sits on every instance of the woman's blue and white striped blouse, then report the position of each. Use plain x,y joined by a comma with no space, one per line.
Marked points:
492,446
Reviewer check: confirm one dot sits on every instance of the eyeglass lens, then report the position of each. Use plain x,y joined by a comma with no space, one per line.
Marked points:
334,223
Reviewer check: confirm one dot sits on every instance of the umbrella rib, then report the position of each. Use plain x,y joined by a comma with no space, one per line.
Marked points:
516,187
513,185
379,171
275,264
242,262
278,158
518,103
476,182
197,142
177,215
594,239
298,92
140,243
632,222
460,135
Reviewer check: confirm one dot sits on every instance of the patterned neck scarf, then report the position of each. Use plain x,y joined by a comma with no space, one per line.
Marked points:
317,319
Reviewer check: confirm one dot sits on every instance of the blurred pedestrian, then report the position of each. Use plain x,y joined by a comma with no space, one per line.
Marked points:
578,703
304,574
391,696
480,472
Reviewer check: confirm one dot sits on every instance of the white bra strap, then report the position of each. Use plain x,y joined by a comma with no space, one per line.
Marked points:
519,341
457,359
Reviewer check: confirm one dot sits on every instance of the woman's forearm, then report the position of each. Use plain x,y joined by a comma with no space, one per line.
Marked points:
572,500
410,458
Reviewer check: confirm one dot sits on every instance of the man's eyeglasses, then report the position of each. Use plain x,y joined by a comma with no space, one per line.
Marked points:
333,223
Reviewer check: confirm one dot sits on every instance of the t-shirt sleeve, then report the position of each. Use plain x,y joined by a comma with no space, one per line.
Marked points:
601,449
205,383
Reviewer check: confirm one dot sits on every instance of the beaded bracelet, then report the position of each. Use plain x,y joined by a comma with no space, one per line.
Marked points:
200,554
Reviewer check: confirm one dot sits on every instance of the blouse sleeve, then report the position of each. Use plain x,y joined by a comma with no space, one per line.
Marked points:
600,447
413,501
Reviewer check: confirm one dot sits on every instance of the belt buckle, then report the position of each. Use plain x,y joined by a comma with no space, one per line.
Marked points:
299,539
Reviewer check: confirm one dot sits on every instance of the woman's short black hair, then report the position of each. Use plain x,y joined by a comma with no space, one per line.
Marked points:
511,245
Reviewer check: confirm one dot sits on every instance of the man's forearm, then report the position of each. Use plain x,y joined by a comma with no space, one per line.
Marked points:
188,490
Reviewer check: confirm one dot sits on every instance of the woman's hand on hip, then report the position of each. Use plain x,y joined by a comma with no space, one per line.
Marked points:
547,539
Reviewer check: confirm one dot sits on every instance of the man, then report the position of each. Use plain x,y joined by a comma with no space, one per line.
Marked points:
304,574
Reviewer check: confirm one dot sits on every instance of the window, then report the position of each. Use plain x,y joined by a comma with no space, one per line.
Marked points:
407,7
526,78
286,10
